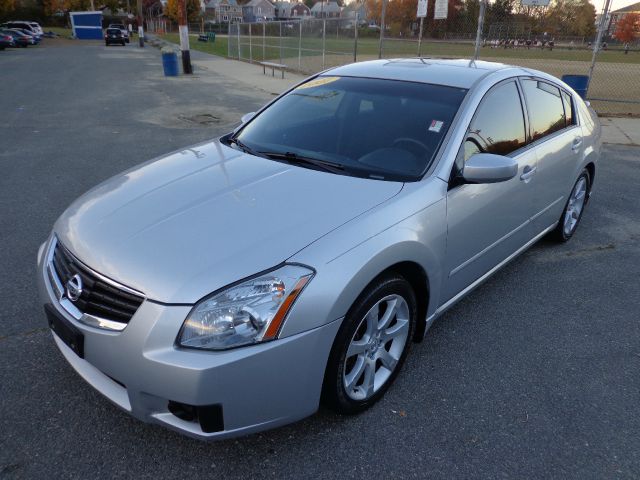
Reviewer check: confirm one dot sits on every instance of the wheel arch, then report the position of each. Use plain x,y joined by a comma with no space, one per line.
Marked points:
591,168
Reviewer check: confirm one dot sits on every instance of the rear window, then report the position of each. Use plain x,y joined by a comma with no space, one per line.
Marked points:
546,111
387,129
569,109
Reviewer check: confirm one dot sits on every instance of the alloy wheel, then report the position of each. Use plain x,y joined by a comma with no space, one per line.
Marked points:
376,347
575,206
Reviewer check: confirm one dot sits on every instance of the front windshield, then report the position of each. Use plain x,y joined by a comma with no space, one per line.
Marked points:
386,129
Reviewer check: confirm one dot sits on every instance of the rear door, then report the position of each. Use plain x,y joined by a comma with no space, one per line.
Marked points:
489,222
557,140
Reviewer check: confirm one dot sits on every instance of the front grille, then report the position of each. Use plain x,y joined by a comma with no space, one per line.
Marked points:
98,298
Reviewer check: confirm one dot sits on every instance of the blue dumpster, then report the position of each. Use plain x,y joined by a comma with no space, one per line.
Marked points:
170,62
578,83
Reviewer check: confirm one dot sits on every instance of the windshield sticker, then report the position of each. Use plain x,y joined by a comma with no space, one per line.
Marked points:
318,82
436,126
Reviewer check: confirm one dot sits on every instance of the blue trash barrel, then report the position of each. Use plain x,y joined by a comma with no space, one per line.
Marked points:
170,63
578,83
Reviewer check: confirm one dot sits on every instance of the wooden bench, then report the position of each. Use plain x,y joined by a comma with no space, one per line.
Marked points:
273,66
206,37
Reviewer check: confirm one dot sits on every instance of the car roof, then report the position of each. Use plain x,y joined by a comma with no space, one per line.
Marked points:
461,73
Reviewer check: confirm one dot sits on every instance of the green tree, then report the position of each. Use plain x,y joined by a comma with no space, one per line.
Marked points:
571,17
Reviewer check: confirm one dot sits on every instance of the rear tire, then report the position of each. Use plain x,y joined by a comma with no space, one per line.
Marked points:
573,209
371,345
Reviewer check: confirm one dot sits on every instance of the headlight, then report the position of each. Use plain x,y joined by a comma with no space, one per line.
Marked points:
250,312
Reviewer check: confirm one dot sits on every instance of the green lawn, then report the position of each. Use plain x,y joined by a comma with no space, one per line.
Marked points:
63,32
219,47
367,47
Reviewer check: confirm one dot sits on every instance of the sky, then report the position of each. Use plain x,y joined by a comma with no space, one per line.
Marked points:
615,4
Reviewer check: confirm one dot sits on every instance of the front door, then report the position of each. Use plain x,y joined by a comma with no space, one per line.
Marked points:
488,222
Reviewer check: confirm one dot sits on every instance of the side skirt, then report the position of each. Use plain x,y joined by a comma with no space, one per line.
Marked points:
445,306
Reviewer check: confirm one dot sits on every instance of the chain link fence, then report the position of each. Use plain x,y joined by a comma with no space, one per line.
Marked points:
534,39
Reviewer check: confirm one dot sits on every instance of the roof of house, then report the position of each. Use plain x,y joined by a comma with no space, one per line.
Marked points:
216,3
255,3
327,7
630,8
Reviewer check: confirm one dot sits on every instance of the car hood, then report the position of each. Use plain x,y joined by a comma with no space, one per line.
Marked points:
179,227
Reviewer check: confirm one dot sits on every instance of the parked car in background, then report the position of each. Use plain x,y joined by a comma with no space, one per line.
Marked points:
36,28
114,36
230,287
34,38
19,38
6,41
122,27
23,25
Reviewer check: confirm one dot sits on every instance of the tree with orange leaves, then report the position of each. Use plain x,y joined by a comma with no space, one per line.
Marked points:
628,28
6,7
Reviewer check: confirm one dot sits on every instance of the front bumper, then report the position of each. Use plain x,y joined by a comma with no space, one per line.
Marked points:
140,369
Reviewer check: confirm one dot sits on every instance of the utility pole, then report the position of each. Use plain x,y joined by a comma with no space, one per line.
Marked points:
184,37
140,28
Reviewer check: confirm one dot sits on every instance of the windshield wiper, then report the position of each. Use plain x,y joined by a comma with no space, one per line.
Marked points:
245,148
294,158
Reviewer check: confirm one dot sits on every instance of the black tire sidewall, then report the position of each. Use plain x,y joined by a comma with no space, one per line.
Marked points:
334,393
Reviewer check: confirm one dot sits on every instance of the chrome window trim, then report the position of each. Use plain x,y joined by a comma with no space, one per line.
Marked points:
68,306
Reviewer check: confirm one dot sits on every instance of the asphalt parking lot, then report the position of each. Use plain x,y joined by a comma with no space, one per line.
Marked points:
535,375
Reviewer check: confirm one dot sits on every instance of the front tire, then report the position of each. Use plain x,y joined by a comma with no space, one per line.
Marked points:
371,345
574,208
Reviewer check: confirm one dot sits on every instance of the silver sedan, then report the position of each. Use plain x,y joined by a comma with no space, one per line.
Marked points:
232,286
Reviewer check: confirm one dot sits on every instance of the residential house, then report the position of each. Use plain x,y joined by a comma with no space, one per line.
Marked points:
326,9
617,15
258,11
300,10
353,9
283,10
223,11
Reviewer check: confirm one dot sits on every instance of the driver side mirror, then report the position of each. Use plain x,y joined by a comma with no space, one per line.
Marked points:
247,116
489,168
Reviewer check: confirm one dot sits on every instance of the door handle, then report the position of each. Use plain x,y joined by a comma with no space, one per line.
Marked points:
527,173
575,145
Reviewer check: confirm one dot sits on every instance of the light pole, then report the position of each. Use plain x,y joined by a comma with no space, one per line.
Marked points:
596,45
483,7
382,15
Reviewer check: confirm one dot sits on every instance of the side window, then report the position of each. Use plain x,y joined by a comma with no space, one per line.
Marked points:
568,109
546,112
498,125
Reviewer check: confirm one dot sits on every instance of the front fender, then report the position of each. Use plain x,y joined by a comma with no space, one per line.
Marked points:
343,273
